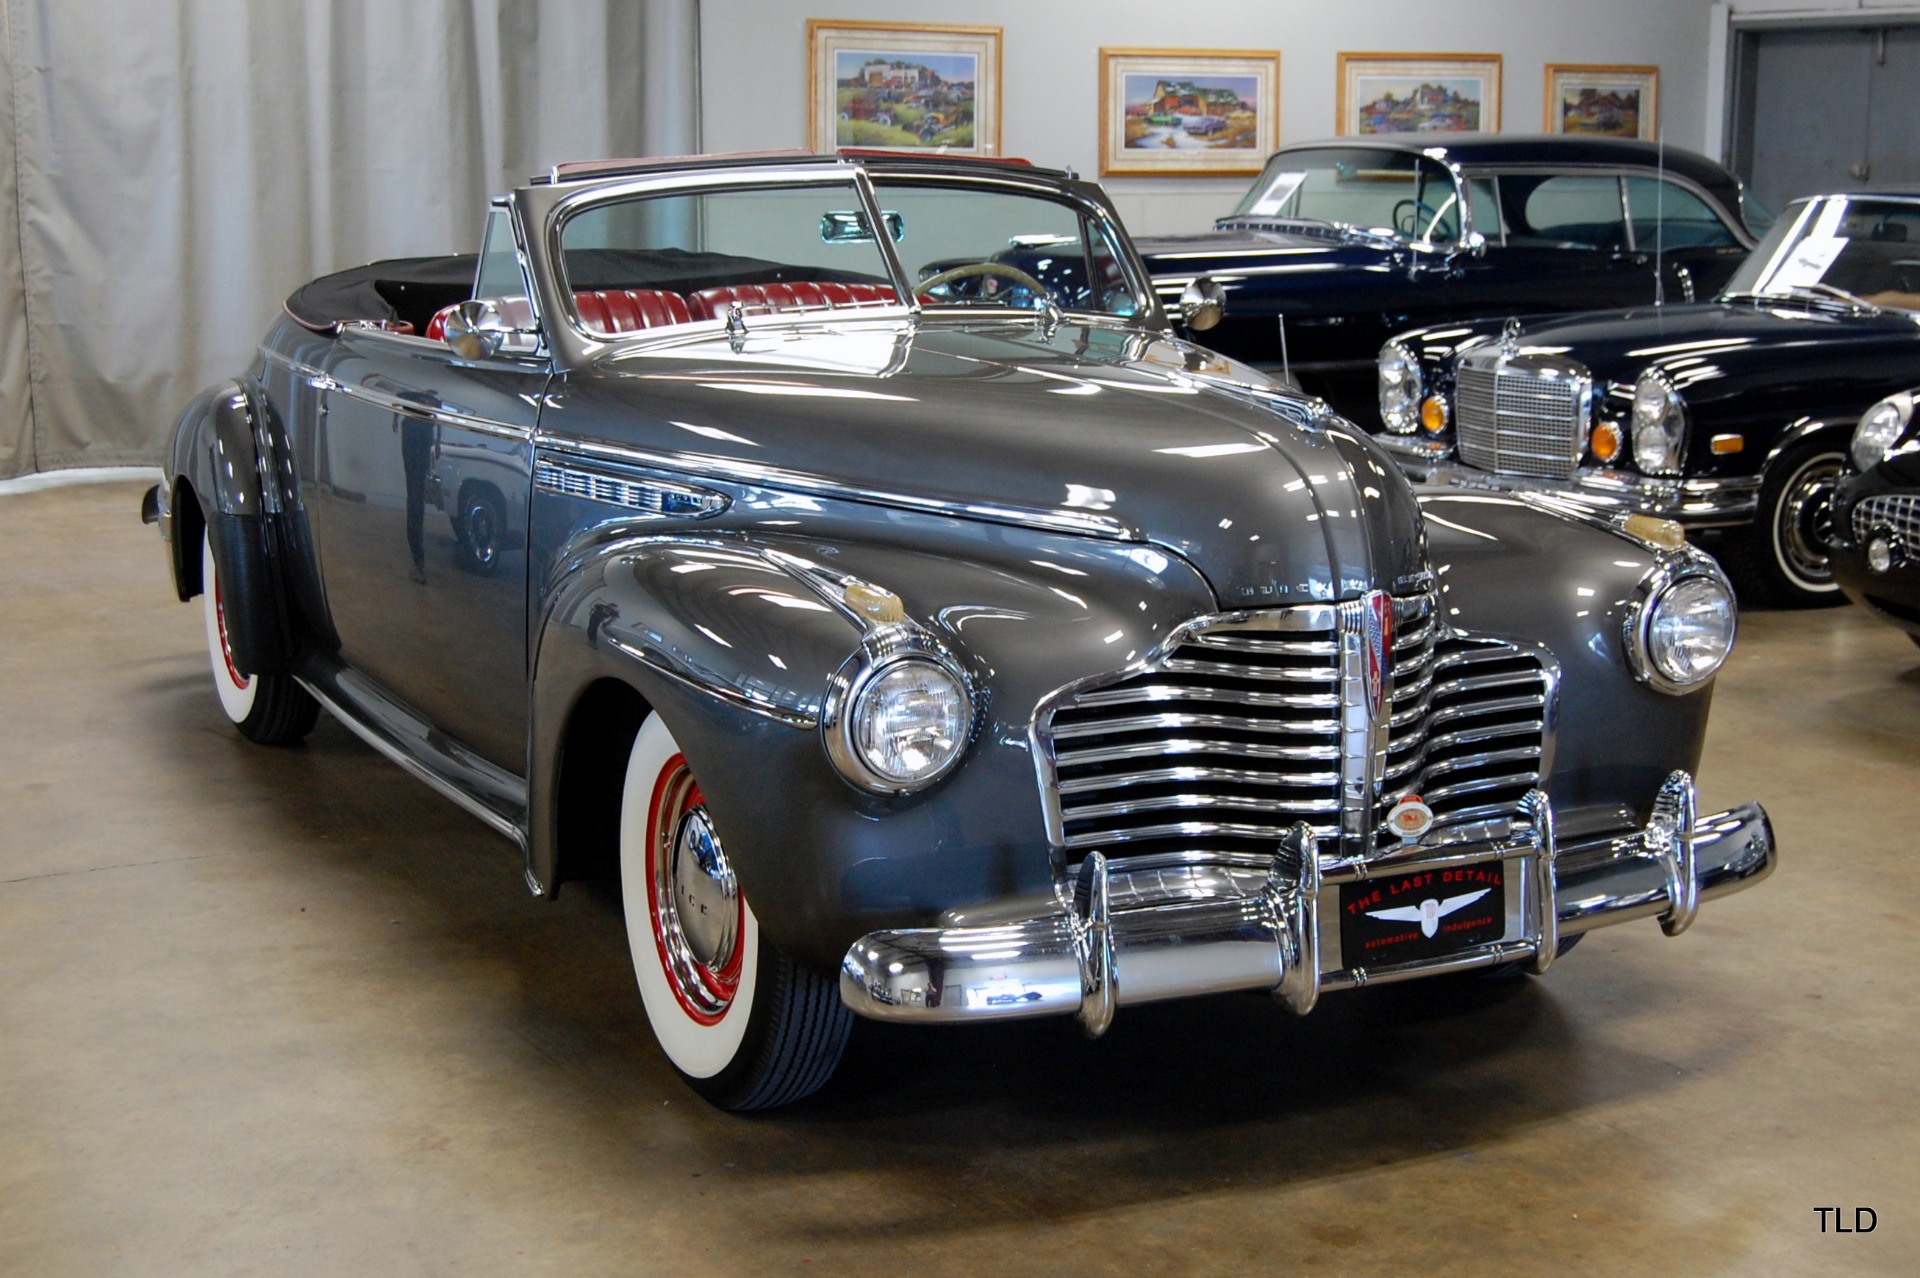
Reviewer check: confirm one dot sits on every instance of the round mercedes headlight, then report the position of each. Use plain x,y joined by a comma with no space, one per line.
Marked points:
1399,388
1684,631
1659,424
1879,430
898,725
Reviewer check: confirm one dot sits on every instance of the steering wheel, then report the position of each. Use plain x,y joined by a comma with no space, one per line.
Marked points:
972,269
1407,215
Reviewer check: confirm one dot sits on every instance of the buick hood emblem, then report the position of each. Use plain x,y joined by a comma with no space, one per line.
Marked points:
1378,620
1429,912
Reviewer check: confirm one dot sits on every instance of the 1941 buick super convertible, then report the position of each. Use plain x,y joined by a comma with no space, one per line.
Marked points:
875,586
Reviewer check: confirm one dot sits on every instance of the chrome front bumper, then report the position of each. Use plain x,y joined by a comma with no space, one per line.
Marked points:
1164,928
1697,503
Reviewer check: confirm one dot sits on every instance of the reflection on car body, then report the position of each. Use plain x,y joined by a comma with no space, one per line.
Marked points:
927,652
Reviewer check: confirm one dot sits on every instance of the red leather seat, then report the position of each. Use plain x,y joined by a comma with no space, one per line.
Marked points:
627,310
765,299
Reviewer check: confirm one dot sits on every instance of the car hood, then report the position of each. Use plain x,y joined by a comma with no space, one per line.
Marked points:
1727,336
1111,431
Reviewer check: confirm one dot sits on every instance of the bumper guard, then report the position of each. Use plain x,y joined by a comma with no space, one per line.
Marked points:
1159,928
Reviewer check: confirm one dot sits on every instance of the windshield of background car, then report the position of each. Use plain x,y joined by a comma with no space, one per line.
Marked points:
705,250
1846,247
968,245
1366,187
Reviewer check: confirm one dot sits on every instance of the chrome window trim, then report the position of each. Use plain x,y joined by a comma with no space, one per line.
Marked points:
1729,220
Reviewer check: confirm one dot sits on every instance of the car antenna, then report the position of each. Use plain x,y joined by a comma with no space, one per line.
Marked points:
1286,366
1660,218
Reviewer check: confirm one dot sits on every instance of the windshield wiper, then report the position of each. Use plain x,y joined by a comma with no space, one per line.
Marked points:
1819,294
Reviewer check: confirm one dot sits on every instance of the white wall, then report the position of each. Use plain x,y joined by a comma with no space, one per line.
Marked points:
754,58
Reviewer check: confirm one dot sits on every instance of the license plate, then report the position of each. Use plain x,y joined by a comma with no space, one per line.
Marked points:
1422,914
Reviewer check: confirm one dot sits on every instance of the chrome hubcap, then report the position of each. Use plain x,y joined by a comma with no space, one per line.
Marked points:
1804,526
697,910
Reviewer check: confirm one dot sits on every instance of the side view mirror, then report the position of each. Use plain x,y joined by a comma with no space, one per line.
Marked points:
1202,304
478,329
1475,245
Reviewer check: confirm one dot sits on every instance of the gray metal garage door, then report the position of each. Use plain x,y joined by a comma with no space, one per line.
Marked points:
1824,108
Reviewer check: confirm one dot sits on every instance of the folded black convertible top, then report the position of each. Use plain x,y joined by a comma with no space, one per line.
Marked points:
408,289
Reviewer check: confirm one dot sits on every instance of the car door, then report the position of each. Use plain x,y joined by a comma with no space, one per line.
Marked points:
1696,249
421,474
1563,244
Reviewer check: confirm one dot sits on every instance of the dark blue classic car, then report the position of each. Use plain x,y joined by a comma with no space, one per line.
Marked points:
1729,416
1339,245
926,650
1876,515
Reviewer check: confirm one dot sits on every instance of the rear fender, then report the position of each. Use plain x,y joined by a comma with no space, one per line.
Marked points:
217,456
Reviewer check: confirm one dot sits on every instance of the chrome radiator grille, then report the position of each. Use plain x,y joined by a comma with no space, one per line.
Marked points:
1236,735
1897,513
1513,416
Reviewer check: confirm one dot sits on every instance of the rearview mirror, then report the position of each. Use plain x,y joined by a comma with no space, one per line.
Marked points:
852,228
1202,304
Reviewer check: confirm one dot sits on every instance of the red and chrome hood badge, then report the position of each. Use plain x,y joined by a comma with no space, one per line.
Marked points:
1378,637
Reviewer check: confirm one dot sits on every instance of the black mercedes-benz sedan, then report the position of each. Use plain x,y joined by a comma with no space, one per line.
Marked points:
1731,416
1340,244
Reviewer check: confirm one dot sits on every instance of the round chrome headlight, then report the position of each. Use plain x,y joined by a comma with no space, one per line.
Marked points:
1879,430
1399,388
1659,424
897,725
1684,631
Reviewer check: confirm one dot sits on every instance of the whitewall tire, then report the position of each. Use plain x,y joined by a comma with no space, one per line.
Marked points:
743,1025
268,709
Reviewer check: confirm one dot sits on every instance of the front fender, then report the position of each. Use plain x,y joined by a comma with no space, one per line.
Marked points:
1508,568
732,641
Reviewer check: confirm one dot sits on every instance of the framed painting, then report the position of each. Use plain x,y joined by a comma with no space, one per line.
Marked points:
1418,93
903,85
1187,112
1605,101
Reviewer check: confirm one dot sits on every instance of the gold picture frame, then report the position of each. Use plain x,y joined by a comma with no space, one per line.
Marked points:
903,85
1602,100
1417,93
1188,112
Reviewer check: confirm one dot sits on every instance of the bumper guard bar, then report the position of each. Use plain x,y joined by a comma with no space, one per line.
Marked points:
1158,928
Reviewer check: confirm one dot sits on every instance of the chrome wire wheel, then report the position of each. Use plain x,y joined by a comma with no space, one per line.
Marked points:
1801,522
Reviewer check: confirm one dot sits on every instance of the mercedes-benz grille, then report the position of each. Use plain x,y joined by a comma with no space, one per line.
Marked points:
1521,414
1235,735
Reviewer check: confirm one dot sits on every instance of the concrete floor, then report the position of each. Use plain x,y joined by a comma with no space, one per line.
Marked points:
287,1012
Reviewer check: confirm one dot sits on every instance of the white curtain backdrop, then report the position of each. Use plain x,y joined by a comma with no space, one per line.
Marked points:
171,169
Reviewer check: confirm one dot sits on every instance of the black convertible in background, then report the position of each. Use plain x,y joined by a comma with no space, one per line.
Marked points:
1731,416
1339,245
843,553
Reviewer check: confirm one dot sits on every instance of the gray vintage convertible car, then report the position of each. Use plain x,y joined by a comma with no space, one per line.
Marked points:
917,629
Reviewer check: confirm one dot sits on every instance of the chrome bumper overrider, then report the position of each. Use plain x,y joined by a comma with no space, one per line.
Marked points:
1163,928
1698,503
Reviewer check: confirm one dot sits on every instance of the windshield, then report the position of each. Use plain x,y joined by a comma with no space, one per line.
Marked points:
965,246
1856,249
785,248
1367,187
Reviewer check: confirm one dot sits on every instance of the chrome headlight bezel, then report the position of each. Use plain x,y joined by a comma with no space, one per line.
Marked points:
1690,582
871,673
1401,386
1659,424
1880,429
